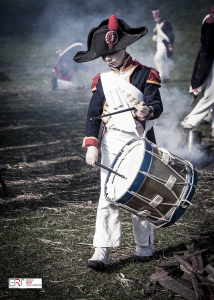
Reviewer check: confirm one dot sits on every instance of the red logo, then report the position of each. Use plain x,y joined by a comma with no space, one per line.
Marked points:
18,281
111,38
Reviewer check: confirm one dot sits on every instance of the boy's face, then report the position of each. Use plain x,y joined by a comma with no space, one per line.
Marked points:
114,59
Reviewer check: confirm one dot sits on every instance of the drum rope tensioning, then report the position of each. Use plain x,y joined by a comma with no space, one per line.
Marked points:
159,186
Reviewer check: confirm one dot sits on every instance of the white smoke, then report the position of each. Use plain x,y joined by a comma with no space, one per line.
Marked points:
69,28
168,130
175,106
169,133
69,22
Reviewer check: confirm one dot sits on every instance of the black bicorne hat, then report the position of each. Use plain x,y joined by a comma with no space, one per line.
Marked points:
110,36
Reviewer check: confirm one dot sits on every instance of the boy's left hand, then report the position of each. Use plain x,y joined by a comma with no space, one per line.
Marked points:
142,110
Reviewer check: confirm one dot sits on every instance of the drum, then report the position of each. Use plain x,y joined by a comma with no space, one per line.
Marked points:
158,186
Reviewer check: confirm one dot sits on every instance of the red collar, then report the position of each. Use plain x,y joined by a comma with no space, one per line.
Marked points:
127,63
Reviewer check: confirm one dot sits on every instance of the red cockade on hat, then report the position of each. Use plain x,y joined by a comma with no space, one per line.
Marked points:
111,36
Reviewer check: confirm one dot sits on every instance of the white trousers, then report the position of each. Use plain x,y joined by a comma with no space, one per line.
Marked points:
204,105
161,61
72,84
65,85
108,232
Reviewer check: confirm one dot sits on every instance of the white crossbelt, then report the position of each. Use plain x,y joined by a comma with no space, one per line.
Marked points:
205,19
111,87
161,33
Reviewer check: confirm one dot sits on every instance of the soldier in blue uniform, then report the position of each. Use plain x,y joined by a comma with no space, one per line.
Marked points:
203,77
66,73
109,41
163,35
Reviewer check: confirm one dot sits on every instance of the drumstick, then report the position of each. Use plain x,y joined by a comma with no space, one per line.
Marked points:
114,113
104,167
121,111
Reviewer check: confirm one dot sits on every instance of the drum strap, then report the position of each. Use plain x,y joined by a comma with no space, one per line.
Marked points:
128,87
112,89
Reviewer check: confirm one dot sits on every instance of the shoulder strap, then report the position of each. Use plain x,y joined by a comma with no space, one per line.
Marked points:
205,19
160,31
129,88
123,121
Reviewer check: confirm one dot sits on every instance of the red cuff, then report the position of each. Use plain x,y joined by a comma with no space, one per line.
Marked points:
89,141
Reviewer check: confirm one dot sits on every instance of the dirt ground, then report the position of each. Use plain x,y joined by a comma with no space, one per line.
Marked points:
41,136
52,195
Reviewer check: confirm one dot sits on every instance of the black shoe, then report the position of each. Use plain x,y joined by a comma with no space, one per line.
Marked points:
96,264
141,258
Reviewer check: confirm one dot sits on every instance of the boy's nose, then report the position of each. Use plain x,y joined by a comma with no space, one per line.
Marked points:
108,58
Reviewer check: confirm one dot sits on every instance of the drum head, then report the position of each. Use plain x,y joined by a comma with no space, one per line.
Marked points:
158,185
127,163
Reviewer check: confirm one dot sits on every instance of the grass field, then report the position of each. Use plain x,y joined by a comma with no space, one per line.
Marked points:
47,221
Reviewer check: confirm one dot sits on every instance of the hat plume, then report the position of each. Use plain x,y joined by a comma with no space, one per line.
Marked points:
113,23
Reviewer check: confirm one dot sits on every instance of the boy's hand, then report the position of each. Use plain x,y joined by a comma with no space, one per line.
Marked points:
92,155
142,110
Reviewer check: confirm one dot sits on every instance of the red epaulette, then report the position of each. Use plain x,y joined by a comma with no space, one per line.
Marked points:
154,76
95,82
139,64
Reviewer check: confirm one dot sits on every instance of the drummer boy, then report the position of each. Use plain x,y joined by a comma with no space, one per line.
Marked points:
127,84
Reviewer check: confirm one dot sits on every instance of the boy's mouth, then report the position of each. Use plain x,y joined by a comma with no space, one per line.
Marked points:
111,63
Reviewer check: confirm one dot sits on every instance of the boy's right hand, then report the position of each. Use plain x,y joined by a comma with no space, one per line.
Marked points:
92,155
